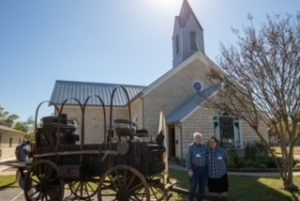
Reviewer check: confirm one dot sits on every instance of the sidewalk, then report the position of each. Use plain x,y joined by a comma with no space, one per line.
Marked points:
6,167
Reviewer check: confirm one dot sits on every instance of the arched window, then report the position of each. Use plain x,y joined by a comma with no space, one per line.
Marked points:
193,41
177,44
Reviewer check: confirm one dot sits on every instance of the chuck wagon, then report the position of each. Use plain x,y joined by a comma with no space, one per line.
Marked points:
126,166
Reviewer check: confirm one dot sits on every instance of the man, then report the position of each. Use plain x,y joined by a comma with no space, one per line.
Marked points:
196,165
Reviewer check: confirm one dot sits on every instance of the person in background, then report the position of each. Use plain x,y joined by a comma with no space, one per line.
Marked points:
196,165
217,169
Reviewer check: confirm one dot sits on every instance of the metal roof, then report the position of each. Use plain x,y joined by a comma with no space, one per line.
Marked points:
7,129
81,90
190,104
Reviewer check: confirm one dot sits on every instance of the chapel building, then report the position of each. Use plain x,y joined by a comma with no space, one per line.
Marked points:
181,93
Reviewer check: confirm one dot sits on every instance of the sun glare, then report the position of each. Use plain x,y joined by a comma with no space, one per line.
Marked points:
166,4
169,3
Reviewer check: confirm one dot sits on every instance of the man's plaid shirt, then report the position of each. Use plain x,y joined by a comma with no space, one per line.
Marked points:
196,156
216,162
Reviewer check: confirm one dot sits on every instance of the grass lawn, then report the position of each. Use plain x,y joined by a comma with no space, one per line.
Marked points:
8,181
278,150
242,188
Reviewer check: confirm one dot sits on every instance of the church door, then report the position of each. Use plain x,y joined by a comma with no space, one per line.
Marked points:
172,144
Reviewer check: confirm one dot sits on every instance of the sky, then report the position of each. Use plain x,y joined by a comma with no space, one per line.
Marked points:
106,41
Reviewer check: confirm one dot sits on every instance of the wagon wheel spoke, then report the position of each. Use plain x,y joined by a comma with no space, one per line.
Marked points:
77,188
113,181
126,184
130,181
47,197
157,189
140,195
155,192
158,192
108,189
34,193
85,188
134,188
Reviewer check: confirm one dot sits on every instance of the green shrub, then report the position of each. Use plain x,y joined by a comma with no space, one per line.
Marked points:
235,159
257,149
256,156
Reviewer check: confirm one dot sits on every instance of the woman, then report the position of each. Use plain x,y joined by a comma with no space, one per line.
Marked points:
217,170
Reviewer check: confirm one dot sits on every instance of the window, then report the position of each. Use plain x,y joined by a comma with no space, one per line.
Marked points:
227,130
193,40
177,44
10,142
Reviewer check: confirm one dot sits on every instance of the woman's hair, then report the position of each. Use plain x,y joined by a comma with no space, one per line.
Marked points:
215,139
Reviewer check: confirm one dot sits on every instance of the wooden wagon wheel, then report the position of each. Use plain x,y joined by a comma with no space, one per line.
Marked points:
42,182
123,183
85,188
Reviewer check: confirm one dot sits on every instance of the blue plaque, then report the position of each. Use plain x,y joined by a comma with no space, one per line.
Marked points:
197,86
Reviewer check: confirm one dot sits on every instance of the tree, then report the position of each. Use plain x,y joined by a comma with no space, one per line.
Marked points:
7,119
21,126
260,79
10,120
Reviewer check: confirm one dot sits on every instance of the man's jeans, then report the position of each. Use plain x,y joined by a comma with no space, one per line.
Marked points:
198,180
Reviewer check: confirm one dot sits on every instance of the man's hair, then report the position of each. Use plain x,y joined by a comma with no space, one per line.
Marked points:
197,134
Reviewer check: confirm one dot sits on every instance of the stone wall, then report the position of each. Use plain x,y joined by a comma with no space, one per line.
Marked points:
202,121
8,150
137,112
199,121
171,93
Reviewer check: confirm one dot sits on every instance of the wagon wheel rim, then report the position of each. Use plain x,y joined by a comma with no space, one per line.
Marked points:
123,183
42,182
85,188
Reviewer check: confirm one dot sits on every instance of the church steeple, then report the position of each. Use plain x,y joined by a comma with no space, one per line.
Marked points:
187,35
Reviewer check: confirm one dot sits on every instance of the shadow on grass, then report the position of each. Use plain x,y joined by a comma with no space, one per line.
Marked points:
8,181
243,188
12,184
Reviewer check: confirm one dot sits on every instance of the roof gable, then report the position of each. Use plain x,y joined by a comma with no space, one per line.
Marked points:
185,64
